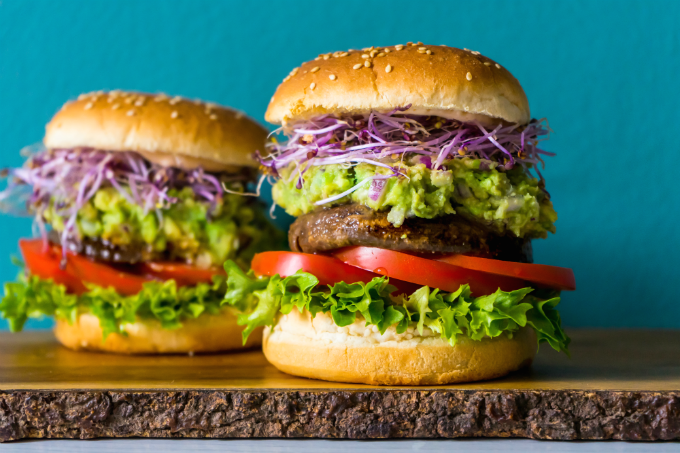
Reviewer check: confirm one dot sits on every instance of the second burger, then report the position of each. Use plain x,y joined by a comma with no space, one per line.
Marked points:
137,201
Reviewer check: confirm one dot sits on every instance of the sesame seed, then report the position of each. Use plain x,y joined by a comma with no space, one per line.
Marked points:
312,85
174,114
140,101
314,69
428,51
130,113
357,66
344,54
115,106
419,43
213,117
381,54
409,43
367,63
317,58
399,47
388,68
486,63
387,50
498,66
82,96
374,53
422,48
286,79
467,50
468,76
326,57
294,71
88,106
332,77
129,100
175,100
364,56
474,52
421,51
160,97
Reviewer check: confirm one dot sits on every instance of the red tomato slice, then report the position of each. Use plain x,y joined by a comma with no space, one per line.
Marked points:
104,275
183,274
43,261
424,271
327,269
561,278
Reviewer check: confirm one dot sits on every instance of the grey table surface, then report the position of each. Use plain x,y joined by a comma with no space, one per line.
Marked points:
332,446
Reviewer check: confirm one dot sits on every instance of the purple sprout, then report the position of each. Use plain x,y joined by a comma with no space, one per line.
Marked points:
69,178
376,138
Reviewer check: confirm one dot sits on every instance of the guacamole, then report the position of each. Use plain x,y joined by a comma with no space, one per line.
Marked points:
193,230
506,201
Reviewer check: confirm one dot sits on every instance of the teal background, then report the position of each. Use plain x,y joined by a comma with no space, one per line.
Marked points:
605,73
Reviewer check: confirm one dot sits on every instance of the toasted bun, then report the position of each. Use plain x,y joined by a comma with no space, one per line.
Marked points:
207,333
168,131
304,347
447,82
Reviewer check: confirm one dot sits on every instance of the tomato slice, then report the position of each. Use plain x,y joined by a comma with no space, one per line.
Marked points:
327,269
183,274
44,261
424,271
561,278
104,275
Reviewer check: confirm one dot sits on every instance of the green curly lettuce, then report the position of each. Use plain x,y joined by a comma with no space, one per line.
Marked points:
452,315
33,297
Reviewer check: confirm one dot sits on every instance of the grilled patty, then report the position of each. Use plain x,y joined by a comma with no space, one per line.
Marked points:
355,224
101,250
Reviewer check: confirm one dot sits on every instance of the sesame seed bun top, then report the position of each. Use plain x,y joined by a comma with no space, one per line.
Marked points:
169,131
435,80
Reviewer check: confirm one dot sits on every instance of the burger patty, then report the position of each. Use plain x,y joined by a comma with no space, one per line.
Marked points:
355,224
101,250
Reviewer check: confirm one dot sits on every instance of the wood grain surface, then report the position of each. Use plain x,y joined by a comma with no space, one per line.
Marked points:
617,385
600,360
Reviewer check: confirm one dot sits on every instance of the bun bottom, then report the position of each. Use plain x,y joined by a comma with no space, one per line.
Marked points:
207,333
417,361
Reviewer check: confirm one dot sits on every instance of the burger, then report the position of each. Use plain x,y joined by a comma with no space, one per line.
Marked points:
138,201
414,174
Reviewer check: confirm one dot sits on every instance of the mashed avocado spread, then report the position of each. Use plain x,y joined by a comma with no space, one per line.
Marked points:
193,230
504,200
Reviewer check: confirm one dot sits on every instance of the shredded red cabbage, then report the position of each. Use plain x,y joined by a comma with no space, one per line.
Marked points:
381,138
69,178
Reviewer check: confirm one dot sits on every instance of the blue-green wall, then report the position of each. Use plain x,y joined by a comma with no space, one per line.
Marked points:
606,74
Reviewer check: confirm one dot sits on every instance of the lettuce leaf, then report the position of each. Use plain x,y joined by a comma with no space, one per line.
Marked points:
33,297
451,315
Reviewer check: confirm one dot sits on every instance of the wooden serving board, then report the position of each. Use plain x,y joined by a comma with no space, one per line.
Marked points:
618,385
